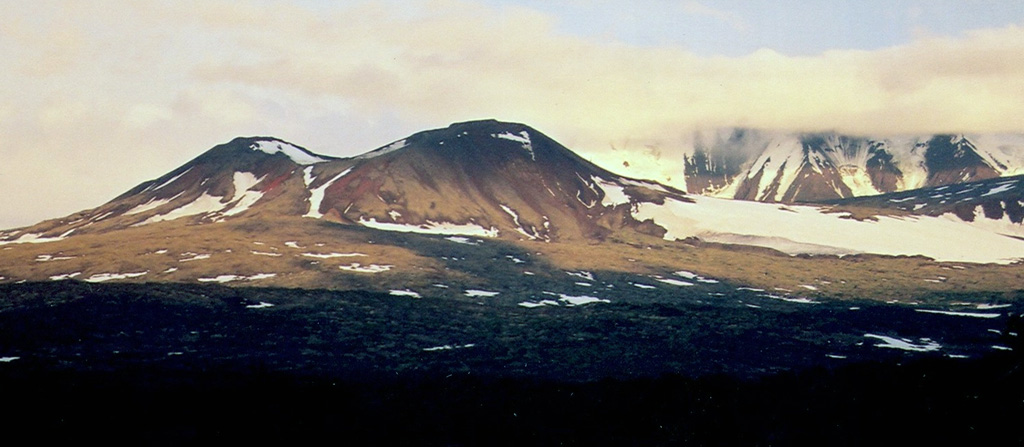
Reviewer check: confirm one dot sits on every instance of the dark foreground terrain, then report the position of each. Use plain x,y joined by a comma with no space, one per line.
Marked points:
180,364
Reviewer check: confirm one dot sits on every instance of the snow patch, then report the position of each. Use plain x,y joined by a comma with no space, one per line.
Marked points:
924,344
230,278
297,155
243,197
675,282
519,226
431,227
582,274
384,150
204,204
480,293
789,299
48,258
613,194
371,268
999,189
101,277
332,255
462,240
992,306
580,300
35,238
808,229
523,138
448,347
64,276
958,314
152,204
698,278
405,292
316,196
261,305
172,179
532,304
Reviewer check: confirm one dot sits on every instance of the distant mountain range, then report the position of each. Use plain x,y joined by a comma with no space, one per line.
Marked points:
489,180
783,167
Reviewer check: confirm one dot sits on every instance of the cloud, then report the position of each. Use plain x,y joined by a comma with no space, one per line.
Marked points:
109,94
461,60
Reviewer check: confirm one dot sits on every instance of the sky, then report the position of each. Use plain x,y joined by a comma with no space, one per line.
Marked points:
99,96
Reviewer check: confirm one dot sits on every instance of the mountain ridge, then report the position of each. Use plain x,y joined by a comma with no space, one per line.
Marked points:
809,167
256,204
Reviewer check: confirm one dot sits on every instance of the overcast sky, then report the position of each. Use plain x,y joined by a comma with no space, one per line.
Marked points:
98,96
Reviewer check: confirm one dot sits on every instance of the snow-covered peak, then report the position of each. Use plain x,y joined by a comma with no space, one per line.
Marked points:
298,155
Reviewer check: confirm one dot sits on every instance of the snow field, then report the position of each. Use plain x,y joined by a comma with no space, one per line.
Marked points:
810,230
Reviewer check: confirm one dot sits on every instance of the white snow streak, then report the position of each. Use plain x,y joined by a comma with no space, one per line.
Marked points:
204,204
35,238
405,292
332,255
675,282
523,138
297,155
261,305
580,300
480,293
101,277
244,198
468,229
384,150
925,345
958,314
230,278
316,195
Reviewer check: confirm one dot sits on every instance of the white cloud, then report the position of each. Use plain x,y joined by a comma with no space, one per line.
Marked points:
100,96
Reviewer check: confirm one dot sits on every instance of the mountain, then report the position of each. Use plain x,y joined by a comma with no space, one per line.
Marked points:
782,167
481,178
997,203
482,277
262,209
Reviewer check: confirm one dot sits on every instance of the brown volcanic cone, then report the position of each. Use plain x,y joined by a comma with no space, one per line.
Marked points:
497,176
